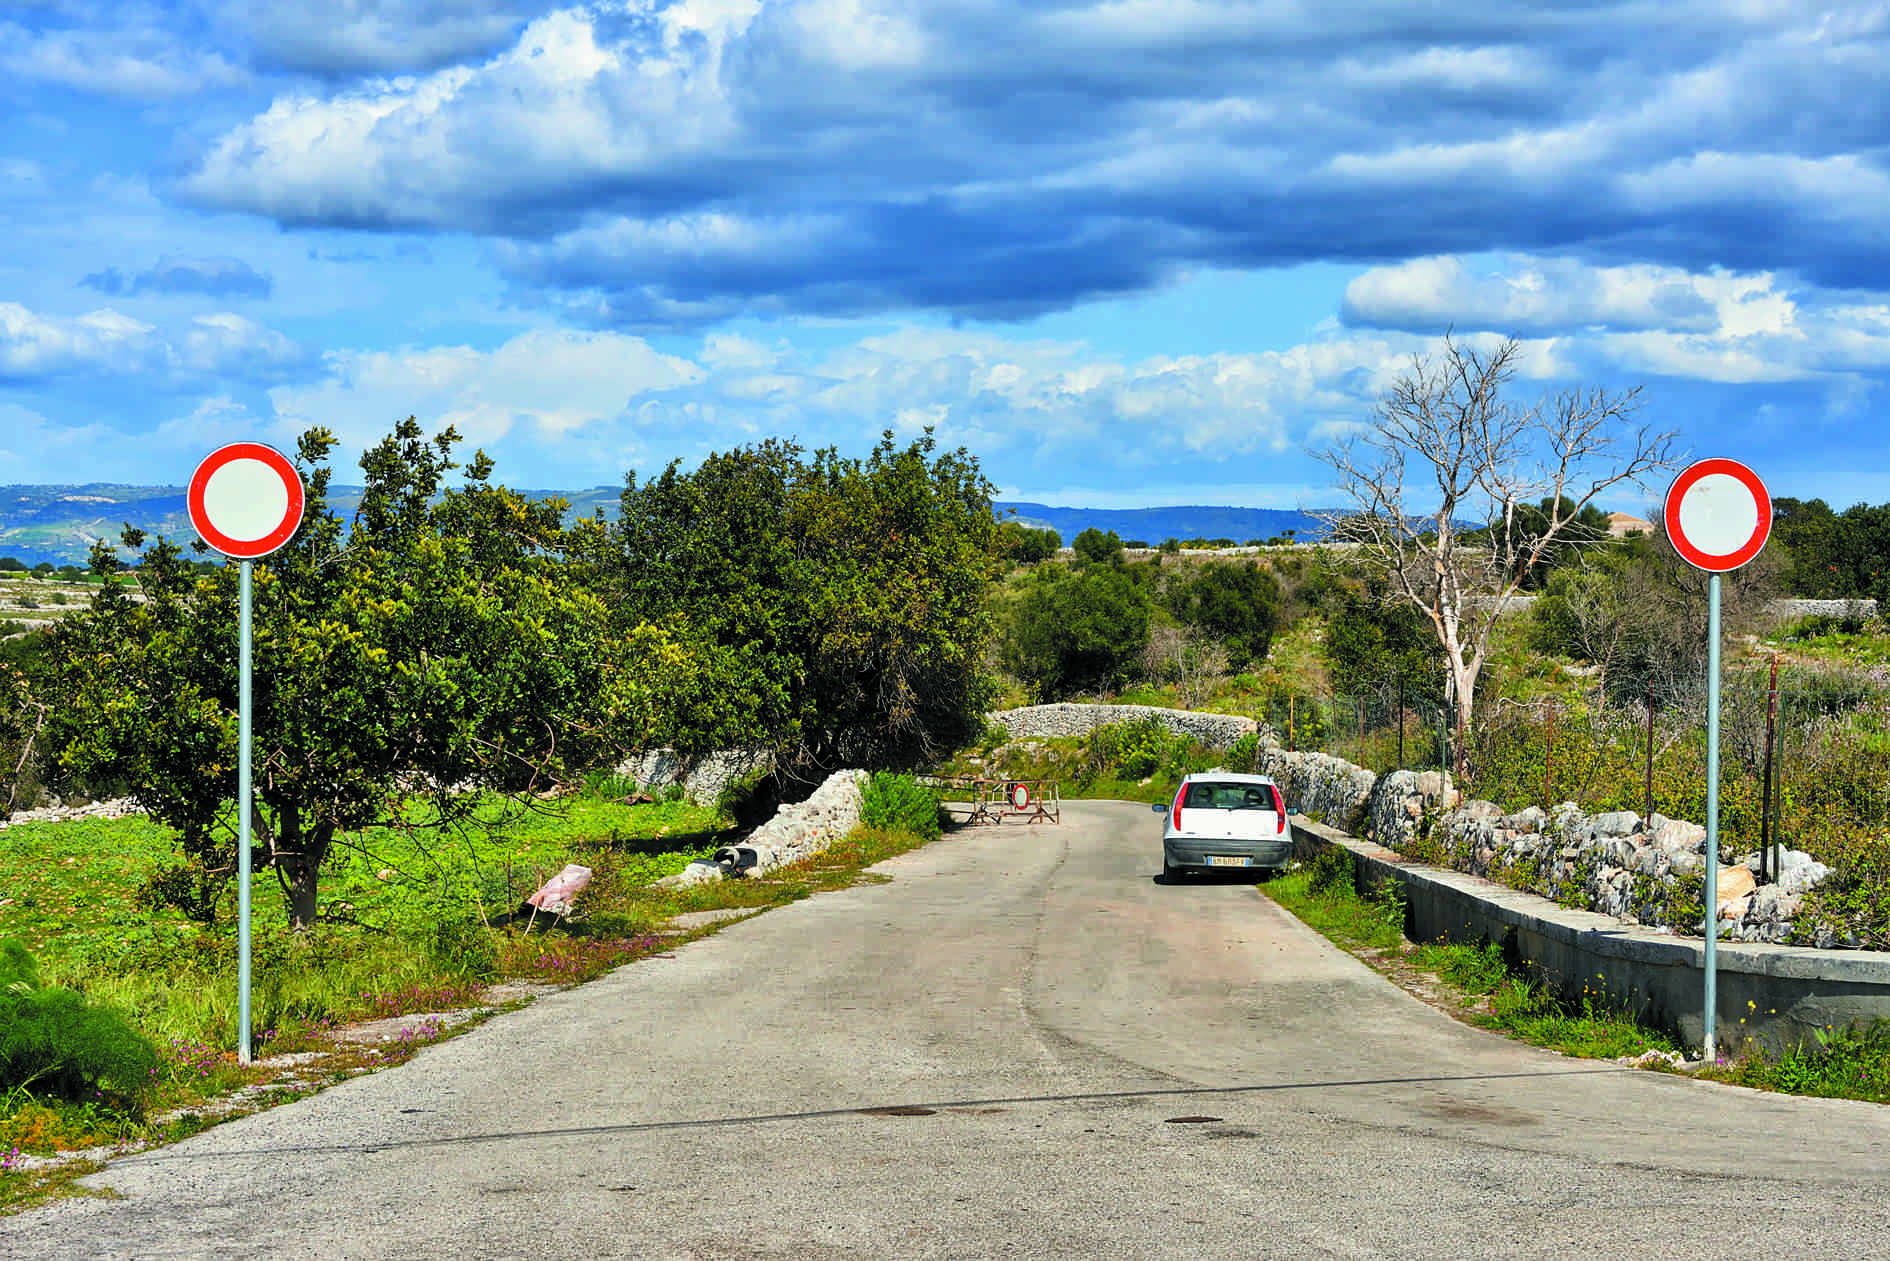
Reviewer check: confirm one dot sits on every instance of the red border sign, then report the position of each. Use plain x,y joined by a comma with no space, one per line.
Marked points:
1689,549
276,533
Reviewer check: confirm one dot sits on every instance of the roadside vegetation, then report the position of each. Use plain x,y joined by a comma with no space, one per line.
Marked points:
1475,982
118,1017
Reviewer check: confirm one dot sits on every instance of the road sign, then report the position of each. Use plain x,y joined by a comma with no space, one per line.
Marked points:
246,500
1718,515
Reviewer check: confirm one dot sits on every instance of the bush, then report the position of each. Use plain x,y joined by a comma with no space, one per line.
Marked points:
1076,630
1332,871
56,1043
1244,755
1239,603
1098,547
1127,750
900,803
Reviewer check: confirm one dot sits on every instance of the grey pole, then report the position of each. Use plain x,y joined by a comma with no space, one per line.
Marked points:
242,820
1711,890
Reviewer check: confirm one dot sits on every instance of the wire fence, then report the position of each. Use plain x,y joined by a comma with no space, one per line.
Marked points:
1800,750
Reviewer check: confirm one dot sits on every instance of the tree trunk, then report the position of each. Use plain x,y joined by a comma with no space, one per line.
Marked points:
297,856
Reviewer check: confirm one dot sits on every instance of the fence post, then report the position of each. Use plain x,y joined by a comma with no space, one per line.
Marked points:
1768,870
1649,812
1548,761
1400,720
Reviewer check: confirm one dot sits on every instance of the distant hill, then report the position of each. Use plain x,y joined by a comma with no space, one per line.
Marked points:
1153,525
57,524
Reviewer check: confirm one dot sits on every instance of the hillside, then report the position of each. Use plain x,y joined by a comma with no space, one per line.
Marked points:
57,524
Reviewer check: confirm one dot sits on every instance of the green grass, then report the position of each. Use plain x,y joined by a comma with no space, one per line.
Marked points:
1853,1064
1484,990
426,921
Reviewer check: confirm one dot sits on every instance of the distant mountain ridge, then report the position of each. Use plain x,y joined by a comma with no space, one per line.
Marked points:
1153,525
57,524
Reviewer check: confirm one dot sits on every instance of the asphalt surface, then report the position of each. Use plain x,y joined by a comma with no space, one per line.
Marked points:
1021,1046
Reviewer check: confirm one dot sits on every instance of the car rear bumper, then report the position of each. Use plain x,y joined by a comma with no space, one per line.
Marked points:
1189,851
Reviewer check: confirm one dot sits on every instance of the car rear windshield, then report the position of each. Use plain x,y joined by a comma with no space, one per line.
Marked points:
1228,796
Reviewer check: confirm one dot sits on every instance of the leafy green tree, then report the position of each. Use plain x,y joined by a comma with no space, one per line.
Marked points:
837,606
1076,630
1028,546
439,647
1238,602
1833,555
1373,641
1097,547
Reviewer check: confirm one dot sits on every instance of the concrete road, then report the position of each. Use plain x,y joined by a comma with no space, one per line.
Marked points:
1021,1046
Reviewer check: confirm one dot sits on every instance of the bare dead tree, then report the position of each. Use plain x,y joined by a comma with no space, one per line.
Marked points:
1445,449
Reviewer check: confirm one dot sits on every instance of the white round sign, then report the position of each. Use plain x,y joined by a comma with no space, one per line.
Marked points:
1718,515
246,500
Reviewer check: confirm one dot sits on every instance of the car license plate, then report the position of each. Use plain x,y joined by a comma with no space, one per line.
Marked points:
1226,860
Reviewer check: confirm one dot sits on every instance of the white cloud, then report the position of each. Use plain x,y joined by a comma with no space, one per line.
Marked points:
36,346
1721,326
139,63
555,112
541,386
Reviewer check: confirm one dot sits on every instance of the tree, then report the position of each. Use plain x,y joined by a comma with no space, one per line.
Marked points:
1097,547
1028,546
1238,603
838,605
439,648
1076,630
1834,556
22,717
1446,454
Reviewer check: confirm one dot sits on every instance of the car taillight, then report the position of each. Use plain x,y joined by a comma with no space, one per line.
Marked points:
1279,808
1179,794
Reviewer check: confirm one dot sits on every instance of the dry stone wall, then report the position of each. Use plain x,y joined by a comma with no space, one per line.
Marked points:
1641,871
1069,718
703,779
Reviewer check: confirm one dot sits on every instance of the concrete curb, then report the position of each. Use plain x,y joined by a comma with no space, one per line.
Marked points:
1766,996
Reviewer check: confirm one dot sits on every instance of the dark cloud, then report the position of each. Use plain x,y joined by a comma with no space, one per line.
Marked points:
994,159
342,38
214,277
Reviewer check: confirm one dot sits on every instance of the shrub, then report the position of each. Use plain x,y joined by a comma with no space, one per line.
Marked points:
1129,750
1244,754
1332,871
55,1042
900,803
1098,547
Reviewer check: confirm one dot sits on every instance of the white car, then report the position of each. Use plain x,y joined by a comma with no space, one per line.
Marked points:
1222,820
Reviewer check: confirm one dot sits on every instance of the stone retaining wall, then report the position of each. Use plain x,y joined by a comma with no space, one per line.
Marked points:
1070,718
1772,997
703,779
1846,609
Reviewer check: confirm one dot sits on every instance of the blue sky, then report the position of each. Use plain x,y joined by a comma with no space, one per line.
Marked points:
1130,253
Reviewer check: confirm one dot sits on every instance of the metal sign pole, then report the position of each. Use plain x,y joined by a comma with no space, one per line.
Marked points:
1711,888
242,820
